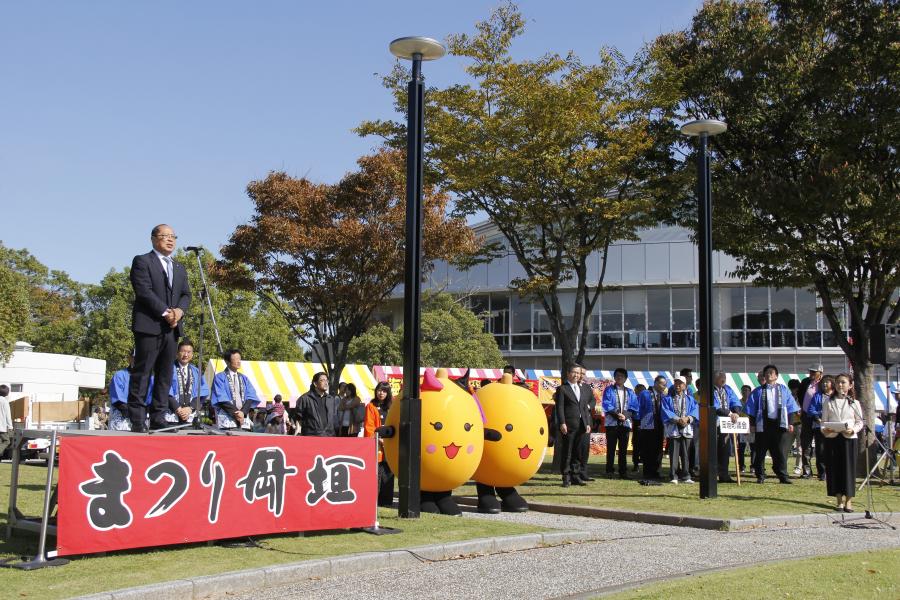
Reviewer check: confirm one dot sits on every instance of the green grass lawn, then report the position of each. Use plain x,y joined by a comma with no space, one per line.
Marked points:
749,500
871,574
96,574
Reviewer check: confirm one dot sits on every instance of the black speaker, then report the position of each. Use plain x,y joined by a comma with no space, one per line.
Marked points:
884,345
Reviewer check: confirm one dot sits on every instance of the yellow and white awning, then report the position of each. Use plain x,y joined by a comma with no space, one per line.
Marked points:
292,379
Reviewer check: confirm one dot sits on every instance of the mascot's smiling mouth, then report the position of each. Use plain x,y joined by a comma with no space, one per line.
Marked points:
452,450
525,452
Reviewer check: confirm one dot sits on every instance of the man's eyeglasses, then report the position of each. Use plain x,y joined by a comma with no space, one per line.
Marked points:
167,236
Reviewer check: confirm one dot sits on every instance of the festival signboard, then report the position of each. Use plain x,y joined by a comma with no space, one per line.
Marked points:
134,491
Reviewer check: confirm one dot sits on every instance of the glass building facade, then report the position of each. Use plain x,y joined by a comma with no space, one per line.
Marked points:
646,317
654,318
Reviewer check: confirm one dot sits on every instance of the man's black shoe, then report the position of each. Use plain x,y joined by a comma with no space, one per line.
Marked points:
587,478
760,480
786,481
565,483
577,481
726,480
806,476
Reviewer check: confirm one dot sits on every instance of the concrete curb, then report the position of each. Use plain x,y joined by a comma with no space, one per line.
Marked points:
223,584
767,522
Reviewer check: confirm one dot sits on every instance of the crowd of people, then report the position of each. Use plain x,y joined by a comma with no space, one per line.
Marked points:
162,389
818,418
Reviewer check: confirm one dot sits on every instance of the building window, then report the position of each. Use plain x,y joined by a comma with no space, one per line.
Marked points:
731,308
757,308
611,311
783,309
683,309
610,340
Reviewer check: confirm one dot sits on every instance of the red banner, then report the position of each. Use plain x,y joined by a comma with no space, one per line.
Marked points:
118,492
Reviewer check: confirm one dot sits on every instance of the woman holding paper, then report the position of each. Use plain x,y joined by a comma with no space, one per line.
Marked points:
841,423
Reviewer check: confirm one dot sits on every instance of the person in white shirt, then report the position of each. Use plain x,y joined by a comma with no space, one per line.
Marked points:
6,424
842,421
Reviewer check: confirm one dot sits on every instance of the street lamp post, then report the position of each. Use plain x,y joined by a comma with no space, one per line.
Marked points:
704,129
415,49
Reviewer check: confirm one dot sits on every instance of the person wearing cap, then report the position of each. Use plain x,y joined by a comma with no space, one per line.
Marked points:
809,387
770,408
679,414
694,444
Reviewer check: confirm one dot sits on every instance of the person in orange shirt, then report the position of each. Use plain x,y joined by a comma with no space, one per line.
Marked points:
376,413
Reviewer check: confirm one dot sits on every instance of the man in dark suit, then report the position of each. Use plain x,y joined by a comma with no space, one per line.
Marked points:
573,419
161,297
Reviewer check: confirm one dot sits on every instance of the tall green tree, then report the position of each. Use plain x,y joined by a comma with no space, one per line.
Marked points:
325,256
551,150
452,336
806,177
54,301
14,310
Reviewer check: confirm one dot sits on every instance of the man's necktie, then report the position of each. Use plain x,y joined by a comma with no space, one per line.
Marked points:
168,260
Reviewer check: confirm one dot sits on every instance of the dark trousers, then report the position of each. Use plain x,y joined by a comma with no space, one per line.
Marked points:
776,441
807,435
651,442
584,453
571,448
742,449
617,436
637,452
694,451
385,485
153,355
678,458
723,453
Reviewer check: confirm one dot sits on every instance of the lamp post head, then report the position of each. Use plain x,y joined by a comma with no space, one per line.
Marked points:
425,47
708,127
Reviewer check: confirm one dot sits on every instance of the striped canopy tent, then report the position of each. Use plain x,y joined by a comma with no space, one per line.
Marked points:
881,394
634,377
384,372
292,379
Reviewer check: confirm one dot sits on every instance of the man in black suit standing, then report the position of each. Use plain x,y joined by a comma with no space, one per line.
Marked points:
573,420
161,297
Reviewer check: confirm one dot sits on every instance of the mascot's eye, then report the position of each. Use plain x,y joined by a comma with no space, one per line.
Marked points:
509,427
542,431
437,426
467,426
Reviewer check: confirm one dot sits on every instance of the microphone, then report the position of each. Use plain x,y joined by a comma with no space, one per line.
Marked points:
193,248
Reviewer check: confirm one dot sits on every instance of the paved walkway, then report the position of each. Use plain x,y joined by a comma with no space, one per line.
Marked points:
626,553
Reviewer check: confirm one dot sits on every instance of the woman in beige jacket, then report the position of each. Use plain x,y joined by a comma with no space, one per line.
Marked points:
844,415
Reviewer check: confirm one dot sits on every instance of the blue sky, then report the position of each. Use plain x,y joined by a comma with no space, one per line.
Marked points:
118,115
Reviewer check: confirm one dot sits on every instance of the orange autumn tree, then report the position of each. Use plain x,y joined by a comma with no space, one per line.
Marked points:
327,255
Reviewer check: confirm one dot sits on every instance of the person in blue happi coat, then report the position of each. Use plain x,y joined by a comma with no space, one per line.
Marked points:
616,400
679,414
233,395
189,389
119,417
771,408
814,414
646,410
727,404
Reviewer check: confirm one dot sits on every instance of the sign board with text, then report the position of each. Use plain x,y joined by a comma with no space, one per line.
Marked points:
129,491
742,425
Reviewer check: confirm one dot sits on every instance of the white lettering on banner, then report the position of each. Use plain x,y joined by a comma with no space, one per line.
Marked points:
742,425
